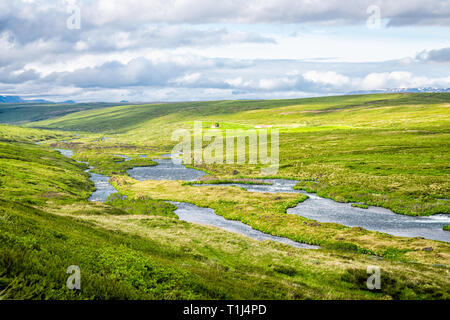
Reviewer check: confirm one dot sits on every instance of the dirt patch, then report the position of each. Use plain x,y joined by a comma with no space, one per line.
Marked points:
290,112
51,195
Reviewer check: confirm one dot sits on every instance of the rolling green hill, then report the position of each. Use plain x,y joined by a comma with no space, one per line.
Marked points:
15,113
390,150
125,118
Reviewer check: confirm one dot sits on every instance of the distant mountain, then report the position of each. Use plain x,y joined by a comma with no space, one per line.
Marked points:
401,90
10,99
16,99
37,101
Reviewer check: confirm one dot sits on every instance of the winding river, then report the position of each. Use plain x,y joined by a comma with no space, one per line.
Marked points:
373,218
166,170
315,207
103,189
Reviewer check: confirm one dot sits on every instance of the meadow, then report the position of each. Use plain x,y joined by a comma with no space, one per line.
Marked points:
389,150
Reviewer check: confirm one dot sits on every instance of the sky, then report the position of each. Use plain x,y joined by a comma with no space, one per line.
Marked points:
189,50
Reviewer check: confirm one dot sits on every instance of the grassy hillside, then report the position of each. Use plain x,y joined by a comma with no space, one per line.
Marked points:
125,118
139,250
388,150
25,112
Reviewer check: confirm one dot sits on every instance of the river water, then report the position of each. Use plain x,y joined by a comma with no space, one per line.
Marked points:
165,170
373,218
103,189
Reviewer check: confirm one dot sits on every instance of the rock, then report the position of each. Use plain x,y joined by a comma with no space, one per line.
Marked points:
427,249
235,172
278,198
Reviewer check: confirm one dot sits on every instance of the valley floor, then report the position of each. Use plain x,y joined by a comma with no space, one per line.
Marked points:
383,150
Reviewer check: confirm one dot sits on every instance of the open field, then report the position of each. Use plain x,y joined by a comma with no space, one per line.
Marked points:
385,150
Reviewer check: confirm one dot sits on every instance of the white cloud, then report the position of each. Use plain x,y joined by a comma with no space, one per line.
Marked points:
234,82
399,12
187,49
188,79
402,79
327,78
436,55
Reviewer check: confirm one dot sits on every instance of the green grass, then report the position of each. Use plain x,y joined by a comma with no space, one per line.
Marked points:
35,175
446,228
13,133
36,248
26,112
386,150
359,205
245,114
142,206
238,181
142,251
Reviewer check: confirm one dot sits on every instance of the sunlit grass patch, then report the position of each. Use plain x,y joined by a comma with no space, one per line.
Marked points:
142,206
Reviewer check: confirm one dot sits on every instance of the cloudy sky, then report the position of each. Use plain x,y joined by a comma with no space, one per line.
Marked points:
179,50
